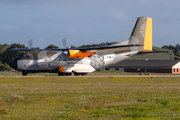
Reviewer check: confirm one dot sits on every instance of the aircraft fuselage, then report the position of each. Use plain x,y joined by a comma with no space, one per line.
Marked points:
49,61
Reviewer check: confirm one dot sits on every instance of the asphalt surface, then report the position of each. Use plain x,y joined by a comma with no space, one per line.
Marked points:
102,76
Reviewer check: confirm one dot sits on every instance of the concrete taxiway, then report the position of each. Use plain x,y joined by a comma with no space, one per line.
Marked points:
102,76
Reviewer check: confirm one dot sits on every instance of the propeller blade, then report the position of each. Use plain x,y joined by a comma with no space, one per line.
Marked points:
66,50
30,43
64,42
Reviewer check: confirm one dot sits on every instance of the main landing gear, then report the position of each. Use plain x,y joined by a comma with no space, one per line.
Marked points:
78,74
24,73
64,74
69,74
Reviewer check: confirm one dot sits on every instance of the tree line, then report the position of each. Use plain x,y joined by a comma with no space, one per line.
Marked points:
175,49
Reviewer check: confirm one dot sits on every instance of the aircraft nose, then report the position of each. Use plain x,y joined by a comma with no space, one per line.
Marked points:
13,64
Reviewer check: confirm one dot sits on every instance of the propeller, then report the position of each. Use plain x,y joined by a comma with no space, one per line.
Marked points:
66,51
64,42
64,45
30,43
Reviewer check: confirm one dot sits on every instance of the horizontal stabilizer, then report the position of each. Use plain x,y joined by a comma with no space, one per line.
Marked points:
149,51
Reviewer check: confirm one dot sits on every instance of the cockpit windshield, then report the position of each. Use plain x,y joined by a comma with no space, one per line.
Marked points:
20,55
23,56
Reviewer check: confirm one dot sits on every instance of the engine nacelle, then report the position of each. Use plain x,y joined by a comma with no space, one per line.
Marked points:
79,54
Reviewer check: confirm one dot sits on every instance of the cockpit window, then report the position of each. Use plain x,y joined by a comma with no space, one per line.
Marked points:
20,55
23,56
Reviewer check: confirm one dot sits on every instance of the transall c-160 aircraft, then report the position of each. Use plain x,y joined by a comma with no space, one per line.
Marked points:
81,61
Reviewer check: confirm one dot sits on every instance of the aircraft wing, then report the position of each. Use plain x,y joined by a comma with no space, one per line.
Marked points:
22,49
91,49
85,52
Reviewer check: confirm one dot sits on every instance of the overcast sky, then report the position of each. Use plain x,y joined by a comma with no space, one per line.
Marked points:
85,21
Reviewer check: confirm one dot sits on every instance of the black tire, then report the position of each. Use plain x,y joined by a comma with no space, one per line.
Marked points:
24,73
77,74
60,74
64,74
83,74
67,74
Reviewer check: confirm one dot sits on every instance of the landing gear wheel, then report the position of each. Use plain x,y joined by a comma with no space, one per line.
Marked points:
60,74
24,73
64,74
83,74
77,74
67,74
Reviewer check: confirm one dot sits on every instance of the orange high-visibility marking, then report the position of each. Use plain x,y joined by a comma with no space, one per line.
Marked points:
61,68
79,54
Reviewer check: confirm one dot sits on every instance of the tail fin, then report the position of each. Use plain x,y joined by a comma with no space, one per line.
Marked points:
142,33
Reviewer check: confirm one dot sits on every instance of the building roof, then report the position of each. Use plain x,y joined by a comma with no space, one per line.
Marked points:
176,58
166,55
146,63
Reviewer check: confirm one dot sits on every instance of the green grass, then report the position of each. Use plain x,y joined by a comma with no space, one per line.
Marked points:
56,98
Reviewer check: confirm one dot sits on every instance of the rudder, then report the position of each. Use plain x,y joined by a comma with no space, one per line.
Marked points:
142,33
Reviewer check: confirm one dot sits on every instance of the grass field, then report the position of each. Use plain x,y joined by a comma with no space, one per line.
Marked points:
56,98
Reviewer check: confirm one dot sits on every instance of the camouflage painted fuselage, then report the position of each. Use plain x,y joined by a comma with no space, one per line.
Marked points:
49,61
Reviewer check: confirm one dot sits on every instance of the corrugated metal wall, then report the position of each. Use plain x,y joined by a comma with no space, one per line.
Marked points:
153,56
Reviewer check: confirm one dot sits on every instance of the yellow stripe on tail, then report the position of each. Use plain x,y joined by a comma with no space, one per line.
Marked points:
148,35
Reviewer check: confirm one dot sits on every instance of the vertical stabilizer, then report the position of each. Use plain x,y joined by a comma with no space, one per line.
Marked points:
142,33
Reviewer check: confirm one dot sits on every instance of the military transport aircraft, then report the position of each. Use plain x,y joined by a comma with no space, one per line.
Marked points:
81,61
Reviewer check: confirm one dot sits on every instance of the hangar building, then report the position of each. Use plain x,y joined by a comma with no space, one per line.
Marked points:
152,62
153,66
